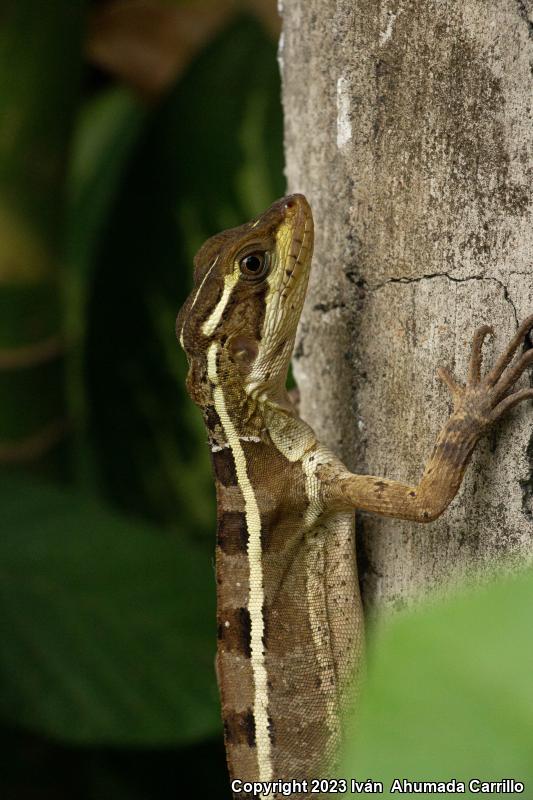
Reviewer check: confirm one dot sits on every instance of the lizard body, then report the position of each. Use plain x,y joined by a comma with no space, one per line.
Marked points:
290,622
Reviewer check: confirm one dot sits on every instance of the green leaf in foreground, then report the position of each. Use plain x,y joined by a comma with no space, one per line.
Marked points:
107,625
450,692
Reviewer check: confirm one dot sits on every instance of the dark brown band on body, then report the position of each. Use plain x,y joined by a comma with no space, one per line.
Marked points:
240,728
232,532
212,420
234,630
224,467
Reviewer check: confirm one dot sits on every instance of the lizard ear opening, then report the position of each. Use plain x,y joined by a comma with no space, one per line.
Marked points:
243,351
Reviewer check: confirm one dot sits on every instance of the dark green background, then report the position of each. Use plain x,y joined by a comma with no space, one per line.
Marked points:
107,607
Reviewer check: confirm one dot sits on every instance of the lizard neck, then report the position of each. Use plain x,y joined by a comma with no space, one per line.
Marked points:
251,417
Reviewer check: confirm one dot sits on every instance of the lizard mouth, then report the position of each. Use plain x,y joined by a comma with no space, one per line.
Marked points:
294,246
298,219
287,285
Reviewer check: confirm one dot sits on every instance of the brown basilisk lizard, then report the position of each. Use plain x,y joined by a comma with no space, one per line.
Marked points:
290,626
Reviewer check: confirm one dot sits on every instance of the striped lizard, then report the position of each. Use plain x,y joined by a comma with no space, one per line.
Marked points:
290,622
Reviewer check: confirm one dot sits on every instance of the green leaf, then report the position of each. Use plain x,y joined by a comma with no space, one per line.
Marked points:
108,626
450,692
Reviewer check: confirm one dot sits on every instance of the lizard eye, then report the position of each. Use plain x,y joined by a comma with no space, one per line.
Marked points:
255,265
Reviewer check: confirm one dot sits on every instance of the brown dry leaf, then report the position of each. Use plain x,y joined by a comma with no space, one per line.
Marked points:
147,43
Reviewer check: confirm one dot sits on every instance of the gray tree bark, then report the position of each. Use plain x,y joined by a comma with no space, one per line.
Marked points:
409,129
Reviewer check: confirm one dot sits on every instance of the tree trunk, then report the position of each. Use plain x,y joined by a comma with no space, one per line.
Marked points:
409,128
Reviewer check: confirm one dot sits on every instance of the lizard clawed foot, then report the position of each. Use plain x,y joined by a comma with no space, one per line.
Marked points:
484,399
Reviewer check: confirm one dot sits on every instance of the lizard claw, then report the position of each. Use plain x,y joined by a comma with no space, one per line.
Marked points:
484,399
444,375
505,359
474,372
508,380
500,380
509,402
488,398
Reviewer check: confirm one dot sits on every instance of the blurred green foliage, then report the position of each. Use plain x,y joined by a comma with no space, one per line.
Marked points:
209,157
107,582
39,100
449,692
108,635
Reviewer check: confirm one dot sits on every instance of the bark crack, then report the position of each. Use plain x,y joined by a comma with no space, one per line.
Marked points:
327,307
432,275
526,484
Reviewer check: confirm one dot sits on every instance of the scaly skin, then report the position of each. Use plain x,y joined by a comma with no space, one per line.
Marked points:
290,623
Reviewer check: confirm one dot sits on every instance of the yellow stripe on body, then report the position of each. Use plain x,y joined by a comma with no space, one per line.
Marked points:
256,596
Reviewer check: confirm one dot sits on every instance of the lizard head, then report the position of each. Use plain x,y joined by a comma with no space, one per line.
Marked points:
249,288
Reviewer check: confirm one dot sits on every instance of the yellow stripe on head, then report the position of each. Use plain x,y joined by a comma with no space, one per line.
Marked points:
211,323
